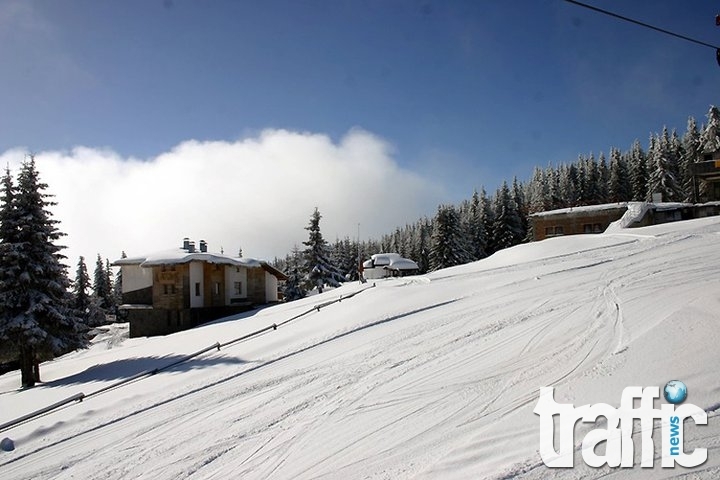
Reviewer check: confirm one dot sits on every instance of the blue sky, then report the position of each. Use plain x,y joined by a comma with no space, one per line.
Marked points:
461,93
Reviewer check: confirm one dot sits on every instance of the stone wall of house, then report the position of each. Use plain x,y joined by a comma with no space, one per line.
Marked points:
151,322
171,287
214,284
256,285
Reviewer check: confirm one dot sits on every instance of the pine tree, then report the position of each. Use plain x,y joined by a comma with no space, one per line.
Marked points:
9,266
423,240
37,314
638,172
488,220
85,305
446,242
539,192
102,286
662,178
81,286
476,228
710,137
117,287
518,198
603,179
344,256
319,270
507,228
690,155
619,187
552,179
293,289
568,185
592,189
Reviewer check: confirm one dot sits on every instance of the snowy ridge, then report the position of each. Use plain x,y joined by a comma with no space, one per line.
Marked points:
420,377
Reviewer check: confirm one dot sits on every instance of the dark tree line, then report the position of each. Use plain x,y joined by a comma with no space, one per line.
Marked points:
482,225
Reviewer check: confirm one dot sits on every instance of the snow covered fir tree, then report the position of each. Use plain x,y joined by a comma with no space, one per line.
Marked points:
319,270
447,245
37,316
103,286
293,288
86,304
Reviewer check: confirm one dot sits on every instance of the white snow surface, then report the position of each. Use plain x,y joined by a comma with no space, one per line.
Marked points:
419,377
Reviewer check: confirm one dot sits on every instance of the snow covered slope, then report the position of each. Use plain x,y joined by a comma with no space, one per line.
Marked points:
421,377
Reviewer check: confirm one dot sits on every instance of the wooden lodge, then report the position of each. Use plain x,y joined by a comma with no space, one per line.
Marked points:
597,218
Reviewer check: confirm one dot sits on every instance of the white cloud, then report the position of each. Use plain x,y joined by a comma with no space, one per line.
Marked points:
256,193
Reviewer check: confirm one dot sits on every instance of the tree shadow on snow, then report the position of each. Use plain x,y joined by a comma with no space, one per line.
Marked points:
126,368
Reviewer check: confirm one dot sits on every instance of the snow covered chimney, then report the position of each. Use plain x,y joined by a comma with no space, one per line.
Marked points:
191,247
186,243
203,246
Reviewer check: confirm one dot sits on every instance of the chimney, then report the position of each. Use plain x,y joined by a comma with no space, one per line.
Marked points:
191,247
203,246
186,243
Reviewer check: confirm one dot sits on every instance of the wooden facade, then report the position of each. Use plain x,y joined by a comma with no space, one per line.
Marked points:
575,221
588,220
706,178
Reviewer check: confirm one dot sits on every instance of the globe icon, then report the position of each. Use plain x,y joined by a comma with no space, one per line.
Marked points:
675,391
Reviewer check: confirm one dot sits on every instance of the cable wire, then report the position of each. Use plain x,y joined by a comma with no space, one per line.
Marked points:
642,24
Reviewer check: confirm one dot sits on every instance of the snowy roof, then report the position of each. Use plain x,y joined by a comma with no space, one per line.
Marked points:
393,261
381,259
609,206
403,264
668,205
179,256
583,209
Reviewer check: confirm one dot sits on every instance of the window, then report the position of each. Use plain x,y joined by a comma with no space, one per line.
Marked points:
597,228
217,288
197,289
552,231
587,228
166,289
238,288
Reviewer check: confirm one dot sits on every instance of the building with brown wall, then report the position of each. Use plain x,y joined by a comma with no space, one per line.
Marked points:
178,289
597,218
575,221
706,178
